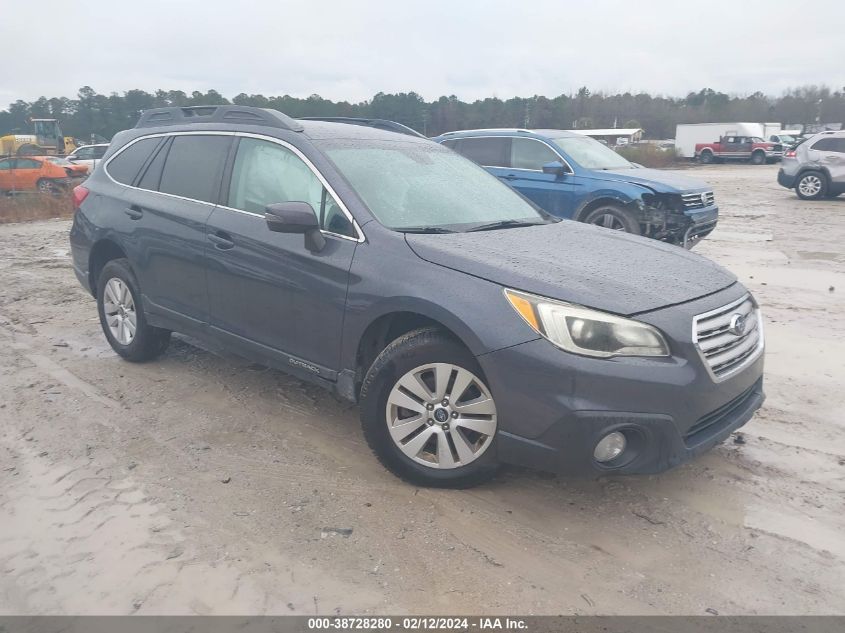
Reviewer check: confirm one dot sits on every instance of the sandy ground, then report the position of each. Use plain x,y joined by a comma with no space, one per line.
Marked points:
198,484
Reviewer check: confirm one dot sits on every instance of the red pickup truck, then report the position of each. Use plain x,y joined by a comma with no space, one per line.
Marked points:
751,148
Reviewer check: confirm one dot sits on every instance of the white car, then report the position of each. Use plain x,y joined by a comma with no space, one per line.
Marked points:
88,155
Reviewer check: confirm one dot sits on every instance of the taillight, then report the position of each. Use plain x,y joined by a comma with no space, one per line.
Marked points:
790,154
79,195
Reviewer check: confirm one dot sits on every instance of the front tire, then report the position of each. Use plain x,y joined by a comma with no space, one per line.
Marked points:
122,315
811,185
614,217
758,158
428,414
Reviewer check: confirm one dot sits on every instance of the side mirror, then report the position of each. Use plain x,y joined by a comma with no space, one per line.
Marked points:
295,217
556,168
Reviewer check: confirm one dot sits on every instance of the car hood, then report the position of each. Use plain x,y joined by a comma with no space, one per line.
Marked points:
655,179
578,263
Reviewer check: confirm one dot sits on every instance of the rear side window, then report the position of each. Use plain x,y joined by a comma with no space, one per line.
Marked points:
194,166
451,143
489,152
152,174
124,167
830,144
527,153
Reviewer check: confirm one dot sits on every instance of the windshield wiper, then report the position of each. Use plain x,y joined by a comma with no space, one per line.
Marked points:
503,224
424,229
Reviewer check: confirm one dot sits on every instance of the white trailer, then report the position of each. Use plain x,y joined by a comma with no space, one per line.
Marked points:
688,134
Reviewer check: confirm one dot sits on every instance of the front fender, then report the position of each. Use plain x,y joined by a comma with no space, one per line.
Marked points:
624,194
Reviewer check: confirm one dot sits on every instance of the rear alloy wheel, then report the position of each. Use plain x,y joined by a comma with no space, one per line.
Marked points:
614,217
47,186
758,158
427,413
811,185
122,315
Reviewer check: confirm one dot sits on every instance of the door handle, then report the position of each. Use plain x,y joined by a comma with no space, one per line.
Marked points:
510,177
134,212
222,241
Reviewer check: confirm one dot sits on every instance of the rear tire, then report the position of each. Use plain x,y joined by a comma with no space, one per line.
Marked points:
430,442
46,186
811,185
122,315
706,157
612,216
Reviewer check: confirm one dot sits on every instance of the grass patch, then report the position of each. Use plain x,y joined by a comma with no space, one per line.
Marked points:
27,207
649,155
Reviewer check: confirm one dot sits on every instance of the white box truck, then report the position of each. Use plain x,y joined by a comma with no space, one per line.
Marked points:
687,135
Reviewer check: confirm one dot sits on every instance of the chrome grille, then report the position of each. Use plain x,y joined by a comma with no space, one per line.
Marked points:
698,200
726,347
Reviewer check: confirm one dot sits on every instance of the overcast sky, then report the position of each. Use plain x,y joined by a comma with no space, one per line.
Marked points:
350,50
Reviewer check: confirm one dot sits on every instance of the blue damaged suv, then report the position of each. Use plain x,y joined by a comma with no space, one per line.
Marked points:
574,176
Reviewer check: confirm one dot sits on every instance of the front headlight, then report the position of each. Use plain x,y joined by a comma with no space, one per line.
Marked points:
584,331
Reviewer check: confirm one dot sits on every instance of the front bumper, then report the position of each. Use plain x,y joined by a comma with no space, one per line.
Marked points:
554,407
701,224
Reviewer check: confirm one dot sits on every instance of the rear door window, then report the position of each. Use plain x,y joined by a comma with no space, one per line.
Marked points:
124,167
194,166
493,151
528,153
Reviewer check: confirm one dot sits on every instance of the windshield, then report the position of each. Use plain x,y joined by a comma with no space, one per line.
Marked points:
787,138
591,154
59,160
423,186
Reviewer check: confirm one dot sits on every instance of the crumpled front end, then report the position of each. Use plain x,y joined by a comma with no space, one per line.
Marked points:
681,219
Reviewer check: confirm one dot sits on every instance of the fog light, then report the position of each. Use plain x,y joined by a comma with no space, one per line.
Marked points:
610,447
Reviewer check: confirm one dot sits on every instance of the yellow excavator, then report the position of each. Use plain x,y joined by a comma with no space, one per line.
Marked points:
46,140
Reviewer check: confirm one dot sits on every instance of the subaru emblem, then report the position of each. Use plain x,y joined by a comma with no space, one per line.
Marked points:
737,324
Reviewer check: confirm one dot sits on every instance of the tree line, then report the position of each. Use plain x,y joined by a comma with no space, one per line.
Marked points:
92,114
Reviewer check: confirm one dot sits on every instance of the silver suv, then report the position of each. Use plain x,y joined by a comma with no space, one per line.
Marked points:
815,168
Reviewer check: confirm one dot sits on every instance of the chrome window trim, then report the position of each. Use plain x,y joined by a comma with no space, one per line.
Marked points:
761,343
360,234
531,138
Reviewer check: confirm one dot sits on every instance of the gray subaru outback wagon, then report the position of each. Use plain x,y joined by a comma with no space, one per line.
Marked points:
472,328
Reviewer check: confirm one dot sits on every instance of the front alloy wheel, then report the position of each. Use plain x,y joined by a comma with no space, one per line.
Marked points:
441,415
427,412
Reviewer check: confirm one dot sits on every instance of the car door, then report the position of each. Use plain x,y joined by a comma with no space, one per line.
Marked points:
831,156
6,176
164,221
555,193
268,294
26,173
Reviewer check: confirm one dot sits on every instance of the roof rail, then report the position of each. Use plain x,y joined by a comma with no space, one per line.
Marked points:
489,129
217,114
381,124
